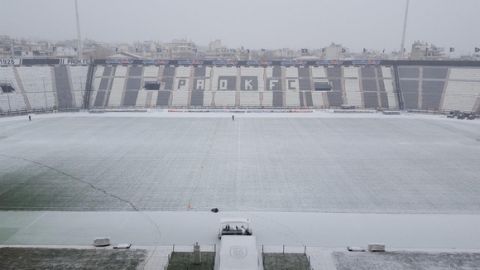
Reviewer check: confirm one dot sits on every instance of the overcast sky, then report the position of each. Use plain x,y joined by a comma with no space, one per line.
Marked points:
374,24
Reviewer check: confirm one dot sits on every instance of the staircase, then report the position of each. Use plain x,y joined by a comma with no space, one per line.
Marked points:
88,86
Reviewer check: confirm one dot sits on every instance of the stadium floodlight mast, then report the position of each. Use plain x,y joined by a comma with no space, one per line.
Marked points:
402,47
79,37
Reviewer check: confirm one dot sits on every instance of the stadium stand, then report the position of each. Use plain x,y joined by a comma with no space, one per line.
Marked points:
353,96
319,100
63,87
208,98
116,93
370,87
142,98
120,71
11,101
180,98
225,98
411,86
465,74
163,98
292,99
267,99
133,86
319,72
277,99
150,72
38,85
461,95
463,90
250,99
335,97
197,98
152,97
183,71
291,72
99,71
78,75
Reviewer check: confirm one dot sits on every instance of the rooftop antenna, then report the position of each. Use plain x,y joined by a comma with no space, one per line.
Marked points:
79,37
402,49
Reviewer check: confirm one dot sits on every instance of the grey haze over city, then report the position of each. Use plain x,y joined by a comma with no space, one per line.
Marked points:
373,24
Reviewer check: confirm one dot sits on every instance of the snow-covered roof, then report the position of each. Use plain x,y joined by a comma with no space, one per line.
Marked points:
234,220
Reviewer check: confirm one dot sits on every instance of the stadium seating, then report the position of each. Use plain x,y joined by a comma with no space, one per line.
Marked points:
335,78
151,100
63,87
432,88
277,99
78,75
254,72
183,71
409,72
116,93
250,99
197,99
229,74
435,73
410,93
386,72
38,86
291,72
207,98
135,71
353,94
163,98
292,99
318,99
351,72
319,72
335,99
132,86
390,92
180,98
465,74
142,99
120,71
182,84
150,72
267,99
410,86
432,92
13,101
461,95
225,98
463,90
99,71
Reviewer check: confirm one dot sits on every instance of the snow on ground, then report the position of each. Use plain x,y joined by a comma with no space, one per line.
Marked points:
319,162
164,228
406,261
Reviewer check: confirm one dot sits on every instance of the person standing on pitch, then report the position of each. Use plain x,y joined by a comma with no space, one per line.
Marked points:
233,117
29,117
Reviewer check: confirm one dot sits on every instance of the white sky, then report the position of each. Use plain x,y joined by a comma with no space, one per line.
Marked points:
374,24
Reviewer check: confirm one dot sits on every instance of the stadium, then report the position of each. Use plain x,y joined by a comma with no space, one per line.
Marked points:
320,155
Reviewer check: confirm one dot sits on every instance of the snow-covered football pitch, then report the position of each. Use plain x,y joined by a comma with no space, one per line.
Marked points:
312,162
